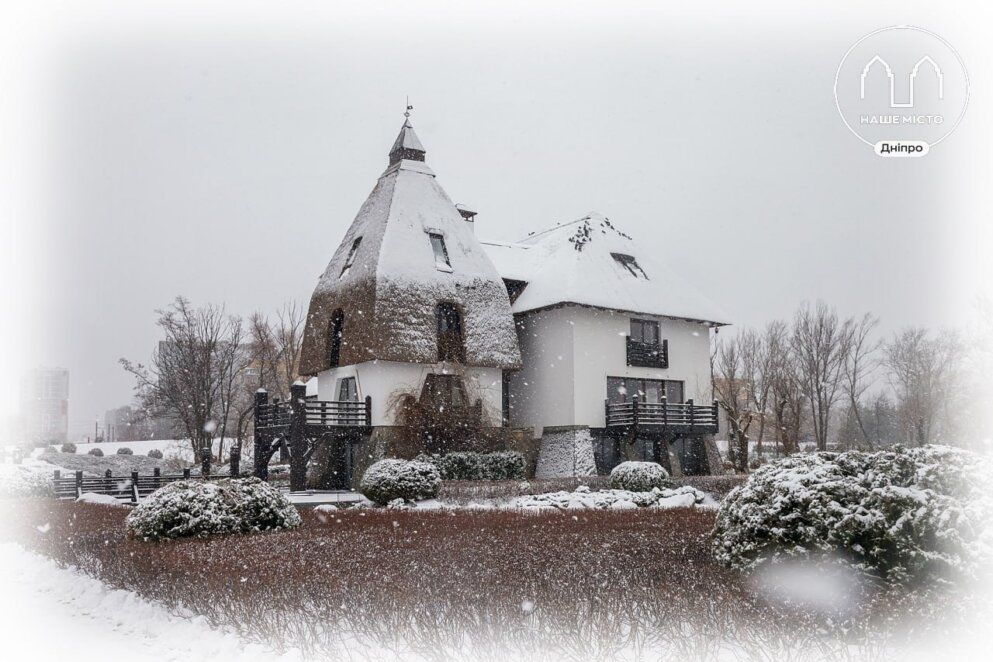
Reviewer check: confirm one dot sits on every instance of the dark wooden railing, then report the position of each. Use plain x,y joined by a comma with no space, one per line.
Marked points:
647,355
316,412
124,488
677,416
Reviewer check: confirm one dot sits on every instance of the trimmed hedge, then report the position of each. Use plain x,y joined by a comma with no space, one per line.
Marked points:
410,480
194,508
638,476
124,450
155,454
95,452
906,515
68,448
500,465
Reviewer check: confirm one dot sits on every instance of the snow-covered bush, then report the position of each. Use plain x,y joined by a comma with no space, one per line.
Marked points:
463,465
584,498
124,450
638,476
96,452
17,480
68,447
410,480
200,508
155,454
902,514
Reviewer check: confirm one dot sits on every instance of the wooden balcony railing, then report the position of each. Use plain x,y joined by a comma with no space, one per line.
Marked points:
647,355
682,417
327,413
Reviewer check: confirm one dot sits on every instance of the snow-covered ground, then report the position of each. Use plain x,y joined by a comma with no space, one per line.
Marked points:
52,613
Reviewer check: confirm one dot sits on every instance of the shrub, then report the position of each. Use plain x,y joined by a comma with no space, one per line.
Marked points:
501,465
17,480
124,450
68,448
638,476
197,508
96,452
410,480
155,454
903,514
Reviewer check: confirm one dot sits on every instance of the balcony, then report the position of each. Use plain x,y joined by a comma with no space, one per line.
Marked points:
647,355
316,415
681,418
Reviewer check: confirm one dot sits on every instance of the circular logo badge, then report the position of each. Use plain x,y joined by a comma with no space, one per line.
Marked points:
901,90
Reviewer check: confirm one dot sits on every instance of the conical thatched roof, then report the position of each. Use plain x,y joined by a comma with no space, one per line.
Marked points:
390,292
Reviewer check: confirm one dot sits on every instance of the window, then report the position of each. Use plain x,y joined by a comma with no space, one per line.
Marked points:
335,328
347,391
350,260
645,331
450,347
629,263
444,391
622,389
440,252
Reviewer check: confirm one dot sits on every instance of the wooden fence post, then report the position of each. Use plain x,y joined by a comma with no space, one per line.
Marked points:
368,411
157,475
263,439
298,421
108,483
235,466
691,413
134,487
717,418
186,474
205,462
79,484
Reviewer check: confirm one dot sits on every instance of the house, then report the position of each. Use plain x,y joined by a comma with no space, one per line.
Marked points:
573,343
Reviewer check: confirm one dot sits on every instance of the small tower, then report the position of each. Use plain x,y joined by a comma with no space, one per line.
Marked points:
410,305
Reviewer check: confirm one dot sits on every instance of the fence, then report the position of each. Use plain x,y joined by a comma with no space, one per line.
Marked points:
130,488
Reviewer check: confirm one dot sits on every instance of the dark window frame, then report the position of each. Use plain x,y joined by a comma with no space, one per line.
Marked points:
451,341
439,249
336,329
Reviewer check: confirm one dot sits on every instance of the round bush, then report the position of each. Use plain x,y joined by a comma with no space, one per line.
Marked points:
198,508
68,448
638,476
95,452
155,454
904,514
18,480
410,480
124,450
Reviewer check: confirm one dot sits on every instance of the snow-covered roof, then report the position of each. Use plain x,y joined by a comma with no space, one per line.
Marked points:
591,262
407,139
393,284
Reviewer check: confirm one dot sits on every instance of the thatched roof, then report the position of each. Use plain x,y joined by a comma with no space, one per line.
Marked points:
390,292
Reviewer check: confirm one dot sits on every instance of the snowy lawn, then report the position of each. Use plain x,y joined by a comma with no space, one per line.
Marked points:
484,584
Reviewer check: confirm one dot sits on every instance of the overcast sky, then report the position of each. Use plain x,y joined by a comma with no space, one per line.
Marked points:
222,157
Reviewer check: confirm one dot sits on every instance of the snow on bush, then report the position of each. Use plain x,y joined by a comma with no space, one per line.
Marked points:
68,448
638,476
500,465
199,508
155,454
17,480
388,480
902,514
582,497
124,450
100,499
96,452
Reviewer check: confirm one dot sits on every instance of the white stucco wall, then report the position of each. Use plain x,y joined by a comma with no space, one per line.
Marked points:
542,390
384,381
569,352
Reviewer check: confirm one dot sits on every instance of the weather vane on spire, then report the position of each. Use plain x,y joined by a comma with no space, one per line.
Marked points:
406,113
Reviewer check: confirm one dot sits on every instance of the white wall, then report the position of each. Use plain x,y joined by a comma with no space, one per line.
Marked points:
542,390
385,380
569,352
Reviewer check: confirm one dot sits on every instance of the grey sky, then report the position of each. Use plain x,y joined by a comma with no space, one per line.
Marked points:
224,162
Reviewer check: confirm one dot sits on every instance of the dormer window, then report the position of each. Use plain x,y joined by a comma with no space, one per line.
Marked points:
440,252
351,257
629,263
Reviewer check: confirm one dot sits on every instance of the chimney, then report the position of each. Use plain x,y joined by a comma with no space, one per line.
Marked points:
467,213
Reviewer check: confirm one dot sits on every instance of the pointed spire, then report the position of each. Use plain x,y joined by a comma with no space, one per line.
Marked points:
407,146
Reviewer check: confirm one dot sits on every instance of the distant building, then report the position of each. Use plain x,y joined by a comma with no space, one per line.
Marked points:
45,405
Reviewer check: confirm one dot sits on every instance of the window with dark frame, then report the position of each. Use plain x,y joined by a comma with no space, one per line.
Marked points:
350,260
450,345
645,331
335,328
622,389
444,391
440,250
645,347
631,264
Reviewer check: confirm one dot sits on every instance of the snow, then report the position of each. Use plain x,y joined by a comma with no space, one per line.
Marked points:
101,499
680,497
572,263
52,613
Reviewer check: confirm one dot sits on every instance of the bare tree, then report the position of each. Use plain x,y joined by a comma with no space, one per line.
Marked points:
860,363
187,373
787,401
923,369
732,386
820,343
